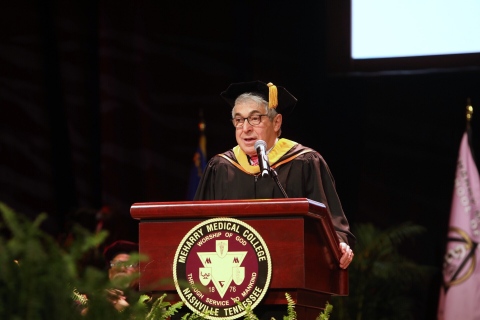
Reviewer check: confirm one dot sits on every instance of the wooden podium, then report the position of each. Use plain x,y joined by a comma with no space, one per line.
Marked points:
298,232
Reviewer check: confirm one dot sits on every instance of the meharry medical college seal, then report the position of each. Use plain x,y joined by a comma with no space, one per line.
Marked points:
221,262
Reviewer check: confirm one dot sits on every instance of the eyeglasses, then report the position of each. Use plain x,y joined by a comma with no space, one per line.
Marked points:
253,120
123,264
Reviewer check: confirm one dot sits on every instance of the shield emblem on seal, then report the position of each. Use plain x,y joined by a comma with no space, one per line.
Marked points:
238,275
205,275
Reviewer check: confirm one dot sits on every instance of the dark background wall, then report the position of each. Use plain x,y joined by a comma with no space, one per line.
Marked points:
100,105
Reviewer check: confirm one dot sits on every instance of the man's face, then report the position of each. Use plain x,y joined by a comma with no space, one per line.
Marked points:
119,267
247,134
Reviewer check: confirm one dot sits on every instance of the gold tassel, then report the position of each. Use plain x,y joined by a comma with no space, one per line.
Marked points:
272,96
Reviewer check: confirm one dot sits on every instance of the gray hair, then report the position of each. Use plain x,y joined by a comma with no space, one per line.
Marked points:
244,97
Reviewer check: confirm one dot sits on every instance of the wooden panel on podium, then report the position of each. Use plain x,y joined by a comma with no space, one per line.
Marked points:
298,232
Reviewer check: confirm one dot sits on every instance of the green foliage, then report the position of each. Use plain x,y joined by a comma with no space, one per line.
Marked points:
41,280
163,310
381,278
291,314
249,315
36,278
325,315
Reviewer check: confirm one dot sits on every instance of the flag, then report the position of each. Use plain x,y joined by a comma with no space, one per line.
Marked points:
460,292
199,161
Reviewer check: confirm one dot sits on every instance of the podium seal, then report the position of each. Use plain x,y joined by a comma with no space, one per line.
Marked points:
221,266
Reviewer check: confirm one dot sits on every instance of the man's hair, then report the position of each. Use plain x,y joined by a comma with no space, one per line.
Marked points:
248,96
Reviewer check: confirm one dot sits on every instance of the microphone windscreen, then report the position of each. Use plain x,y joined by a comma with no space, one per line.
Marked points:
259,143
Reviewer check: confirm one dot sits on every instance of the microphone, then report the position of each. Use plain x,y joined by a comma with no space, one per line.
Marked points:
260,147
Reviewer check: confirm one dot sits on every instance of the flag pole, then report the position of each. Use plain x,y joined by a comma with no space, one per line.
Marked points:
469,115
199,159
203,140
469,112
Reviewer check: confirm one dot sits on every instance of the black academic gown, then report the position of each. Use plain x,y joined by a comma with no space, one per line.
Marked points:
302,172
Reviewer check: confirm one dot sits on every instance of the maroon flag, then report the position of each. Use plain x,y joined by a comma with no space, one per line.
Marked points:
460,293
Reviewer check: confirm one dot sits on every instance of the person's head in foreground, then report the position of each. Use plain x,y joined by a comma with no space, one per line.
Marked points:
118,258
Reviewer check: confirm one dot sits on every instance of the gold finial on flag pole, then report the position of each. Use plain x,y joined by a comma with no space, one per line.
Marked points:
469,110
201,123
203,139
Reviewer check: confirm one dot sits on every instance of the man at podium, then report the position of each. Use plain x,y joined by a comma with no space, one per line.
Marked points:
264,166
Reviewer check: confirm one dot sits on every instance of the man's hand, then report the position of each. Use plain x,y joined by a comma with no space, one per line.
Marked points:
117,298
347,255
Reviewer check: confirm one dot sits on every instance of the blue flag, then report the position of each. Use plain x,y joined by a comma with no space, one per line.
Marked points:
199,162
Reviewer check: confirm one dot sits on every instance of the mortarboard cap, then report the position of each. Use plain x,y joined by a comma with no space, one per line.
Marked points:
117,247
278,97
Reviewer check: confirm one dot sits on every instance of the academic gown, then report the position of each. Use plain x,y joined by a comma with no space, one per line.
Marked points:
302,172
